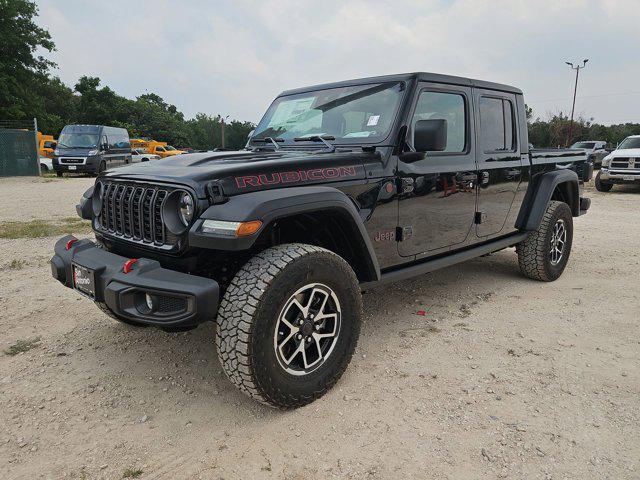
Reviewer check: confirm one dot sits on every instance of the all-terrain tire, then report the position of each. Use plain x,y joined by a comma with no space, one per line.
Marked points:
106,310
249,314
602,186
58,173
534,253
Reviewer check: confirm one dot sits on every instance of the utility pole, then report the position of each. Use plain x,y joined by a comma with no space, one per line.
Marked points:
222,136
577,68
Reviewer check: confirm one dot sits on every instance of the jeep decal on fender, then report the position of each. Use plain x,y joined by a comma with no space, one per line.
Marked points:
313,175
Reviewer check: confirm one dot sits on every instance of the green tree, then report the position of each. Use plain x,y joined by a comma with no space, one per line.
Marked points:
21,71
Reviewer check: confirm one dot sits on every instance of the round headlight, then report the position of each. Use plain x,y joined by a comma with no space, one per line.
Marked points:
97,198
185,206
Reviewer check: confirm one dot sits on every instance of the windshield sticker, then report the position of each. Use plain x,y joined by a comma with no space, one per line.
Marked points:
287,111
373,120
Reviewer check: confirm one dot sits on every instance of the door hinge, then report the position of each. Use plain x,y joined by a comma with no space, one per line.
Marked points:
403,233
480,217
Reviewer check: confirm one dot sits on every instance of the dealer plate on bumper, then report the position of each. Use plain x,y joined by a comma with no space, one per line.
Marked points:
84,280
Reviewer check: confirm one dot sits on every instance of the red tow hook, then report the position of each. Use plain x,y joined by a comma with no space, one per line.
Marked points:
70,243
128,265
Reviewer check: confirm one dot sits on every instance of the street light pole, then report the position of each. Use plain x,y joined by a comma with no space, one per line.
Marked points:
222,135
577,68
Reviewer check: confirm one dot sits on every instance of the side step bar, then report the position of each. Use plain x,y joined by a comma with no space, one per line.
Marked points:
451,259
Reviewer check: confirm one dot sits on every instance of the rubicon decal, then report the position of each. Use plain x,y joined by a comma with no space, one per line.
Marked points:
313,175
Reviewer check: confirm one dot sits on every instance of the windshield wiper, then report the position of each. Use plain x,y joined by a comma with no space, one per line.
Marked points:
318,138
63,145
272,140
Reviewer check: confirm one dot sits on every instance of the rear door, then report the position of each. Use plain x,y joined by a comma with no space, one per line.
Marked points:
436,208
500,164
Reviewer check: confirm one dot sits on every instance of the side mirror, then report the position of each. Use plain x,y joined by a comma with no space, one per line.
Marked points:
430,135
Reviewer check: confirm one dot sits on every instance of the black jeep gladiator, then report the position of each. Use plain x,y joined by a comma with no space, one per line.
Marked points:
341,188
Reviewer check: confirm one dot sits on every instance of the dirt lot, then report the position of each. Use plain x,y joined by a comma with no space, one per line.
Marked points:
503,378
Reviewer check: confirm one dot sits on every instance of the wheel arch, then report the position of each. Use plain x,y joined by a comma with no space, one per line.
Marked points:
561,185
321,216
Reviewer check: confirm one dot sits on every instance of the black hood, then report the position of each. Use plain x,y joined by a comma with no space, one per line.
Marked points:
244,171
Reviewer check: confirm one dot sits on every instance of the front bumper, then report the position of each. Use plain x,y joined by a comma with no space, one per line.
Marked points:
89,165
180,299
619,176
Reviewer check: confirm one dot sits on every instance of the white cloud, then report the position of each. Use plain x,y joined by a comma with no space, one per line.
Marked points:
233,57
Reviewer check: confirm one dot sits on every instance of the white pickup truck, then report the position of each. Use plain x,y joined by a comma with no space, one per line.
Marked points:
141,155
620,166
596,150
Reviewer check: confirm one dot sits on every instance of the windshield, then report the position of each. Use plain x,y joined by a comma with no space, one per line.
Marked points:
349,114
629,142
78,140
586,145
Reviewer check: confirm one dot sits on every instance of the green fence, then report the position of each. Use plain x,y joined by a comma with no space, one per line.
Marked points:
18,149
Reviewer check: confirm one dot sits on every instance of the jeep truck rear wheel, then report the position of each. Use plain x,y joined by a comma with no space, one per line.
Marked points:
288,324
545,252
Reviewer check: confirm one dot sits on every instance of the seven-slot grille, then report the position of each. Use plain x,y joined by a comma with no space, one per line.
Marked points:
625,162
134,212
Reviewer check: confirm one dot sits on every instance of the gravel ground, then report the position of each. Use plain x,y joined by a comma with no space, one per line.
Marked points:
24,198
502,378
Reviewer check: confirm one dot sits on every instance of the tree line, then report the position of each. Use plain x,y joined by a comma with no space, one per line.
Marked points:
28,90
557,130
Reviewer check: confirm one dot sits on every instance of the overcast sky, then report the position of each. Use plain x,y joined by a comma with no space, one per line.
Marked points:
233,57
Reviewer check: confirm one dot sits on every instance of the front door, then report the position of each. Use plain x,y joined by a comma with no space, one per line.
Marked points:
437,203
498,157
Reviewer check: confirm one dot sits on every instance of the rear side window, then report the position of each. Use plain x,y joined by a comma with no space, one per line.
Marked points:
497,125
444,106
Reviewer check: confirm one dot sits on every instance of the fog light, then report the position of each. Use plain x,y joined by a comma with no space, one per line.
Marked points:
150,301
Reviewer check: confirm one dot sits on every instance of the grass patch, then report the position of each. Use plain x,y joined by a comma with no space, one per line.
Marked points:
44,228
17,264
132,473
22,346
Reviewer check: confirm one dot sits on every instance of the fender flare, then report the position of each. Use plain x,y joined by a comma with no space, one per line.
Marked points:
539,195
271,205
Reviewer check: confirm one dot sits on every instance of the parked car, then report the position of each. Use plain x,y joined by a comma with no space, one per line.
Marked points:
162,149
620,166
596,150
141,155
345,187
46,164
91,149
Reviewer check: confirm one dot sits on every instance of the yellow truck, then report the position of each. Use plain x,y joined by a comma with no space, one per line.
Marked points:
46,145
154,147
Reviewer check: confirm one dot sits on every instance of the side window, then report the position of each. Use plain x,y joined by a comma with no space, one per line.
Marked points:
496,125
444,106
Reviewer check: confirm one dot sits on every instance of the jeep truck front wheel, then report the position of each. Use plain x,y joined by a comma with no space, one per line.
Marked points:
288,324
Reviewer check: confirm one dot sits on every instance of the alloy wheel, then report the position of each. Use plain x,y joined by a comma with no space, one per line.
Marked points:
307,329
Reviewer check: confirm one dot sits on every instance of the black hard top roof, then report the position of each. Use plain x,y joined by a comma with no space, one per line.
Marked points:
401,77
